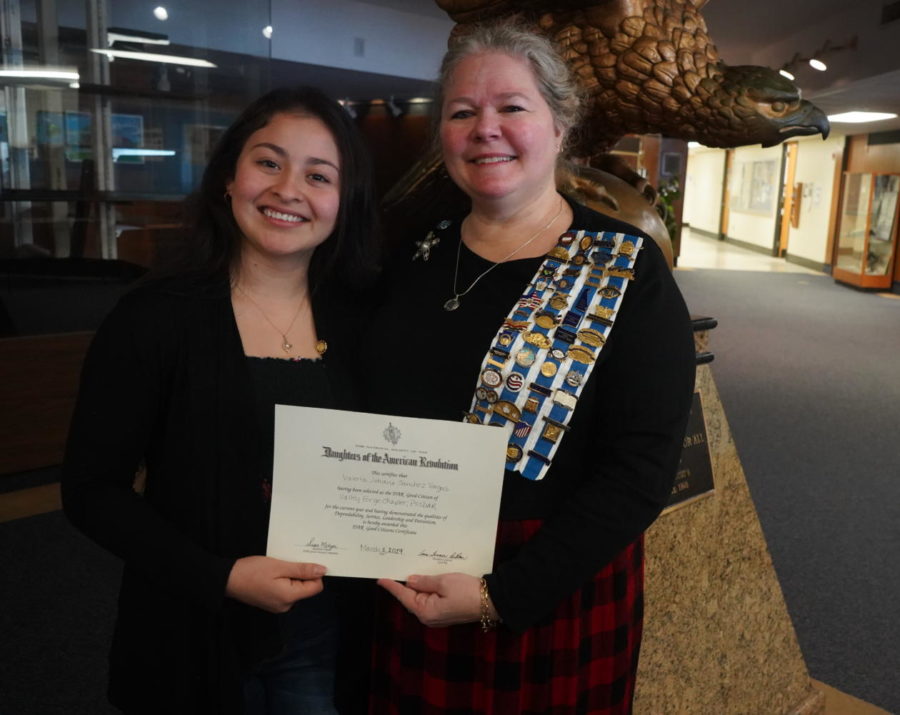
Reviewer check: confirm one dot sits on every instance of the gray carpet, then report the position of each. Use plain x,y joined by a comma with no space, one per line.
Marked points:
809,373
57,603
810,376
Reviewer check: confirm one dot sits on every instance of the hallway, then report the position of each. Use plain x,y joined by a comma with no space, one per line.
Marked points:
809,377
699,251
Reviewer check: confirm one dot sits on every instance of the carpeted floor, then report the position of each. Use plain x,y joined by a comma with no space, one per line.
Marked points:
56,627
809,373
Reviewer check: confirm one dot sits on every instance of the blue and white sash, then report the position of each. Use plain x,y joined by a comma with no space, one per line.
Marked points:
543,354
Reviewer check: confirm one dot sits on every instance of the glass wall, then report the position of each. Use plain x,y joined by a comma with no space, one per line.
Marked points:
108,111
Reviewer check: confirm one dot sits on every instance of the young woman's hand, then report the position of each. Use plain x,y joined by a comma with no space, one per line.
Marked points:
271,584
444,600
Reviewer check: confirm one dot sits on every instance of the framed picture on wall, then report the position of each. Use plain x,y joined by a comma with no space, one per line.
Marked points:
671,164
127,133
49,129
753,187
763,186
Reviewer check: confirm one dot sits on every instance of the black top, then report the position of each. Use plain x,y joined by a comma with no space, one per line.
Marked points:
307,383
166,383
613,471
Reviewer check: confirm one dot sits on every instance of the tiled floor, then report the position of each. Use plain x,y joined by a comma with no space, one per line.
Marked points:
699,251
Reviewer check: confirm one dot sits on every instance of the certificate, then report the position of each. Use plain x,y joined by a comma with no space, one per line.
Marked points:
377,496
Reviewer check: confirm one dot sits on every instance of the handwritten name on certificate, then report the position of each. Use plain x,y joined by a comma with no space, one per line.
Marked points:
377,496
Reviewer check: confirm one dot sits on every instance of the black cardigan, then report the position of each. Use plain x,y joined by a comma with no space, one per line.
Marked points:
613,471
166,381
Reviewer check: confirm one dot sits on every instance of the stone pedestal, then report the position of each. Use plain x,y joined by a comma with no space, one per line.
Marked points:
717,636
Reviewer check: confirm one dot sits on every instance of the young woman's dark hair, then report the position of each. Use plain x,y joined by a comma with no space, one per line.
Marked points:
349,254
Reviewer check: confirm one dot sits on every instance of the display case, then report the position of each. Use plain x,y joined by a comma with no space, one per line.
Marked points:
867,233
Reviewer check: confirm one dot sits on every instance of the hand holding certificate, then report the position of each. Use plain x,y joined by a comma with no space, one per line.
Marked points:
383,497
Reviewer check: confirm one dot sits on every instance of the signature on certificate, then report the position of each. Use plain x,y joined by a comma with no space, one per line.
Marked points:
442,557
321,546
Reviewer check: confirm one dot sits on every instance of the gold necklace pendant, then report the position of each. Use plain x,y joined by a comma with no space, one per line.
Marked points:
285,345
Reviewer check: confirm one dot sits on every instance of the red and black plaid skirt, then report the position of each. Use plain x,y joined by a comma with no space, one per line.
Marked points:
583,660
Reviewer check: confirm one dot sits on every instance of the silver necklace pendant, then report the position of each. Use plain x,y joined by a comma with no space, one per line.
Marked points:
451,304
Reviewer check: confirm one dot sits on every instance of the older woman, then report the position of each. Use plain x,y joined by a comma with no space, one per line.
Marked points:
566,328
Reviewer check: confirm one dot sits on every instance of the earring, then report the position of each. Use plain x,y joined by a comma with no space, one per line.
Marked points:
226,197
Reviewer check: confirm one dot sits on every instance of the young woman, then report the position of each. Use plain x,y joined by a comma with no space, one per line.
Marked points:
565,328
182,378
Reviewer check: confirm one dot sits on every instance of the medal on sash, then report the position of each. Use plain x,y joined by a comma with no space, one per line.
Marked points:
554,334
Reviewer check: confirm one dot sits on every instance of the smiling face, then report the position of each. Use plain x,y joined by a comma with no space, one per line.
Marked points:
499,137
285,193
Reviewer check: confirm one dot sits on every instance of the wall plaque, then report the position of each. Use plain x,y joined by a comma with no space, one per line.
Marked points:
694,478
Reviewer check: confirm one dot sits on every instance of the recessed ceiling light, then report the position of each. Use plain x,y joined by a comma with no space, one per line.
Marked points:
40,73
860,117
153,57
267,32
161,13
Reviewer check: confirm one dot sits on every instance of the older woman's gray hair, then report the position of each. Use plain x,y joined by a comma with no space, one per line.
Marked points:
555,81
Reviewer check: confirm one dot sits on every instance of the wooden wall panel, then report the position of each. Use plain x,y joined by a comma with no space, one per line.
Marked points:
395,143
878,159
37,395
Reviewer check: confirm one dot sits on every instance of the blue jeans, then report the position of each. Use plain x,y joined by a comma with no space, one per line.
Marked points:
300,681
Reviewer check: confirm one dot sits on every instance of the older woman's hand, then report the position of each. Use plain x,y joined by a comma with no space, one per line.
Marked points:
444,600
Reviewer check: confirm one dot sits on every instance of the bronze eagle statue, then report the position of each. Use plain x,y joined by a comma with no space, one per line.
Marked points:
647,66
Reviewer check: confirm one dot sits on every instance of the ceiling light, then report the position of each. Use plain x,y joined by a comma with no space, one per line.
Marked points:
420,100
152,57
817,61
694,145
118,152
38,73
115,34
161,13
860,117
267,32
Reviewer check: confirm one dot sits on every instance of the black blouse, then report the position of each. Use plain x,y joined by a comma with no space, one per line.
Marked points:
613,470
